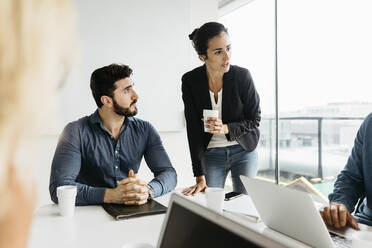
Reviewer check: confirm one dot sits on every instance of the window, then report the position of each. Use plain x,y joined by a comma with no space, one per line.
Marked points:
251,30
324,54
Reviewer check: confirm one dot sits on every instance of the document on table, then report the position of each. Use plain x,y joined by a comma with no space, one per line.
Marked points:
242,205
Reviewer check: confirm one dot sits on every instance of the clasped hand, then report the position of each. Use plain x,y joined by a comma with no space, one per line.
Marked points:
215,126
130,191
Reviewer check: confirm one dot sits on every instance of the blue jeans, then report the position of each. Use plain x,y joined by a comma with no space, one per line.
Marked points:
221,160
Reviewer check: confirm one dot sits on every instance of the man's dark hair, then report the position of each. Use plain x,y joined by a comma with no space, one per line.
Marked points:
201,36
102,81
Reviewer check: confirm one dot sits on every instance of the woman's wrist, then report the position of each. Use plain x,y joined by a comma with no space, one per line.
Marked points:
200,179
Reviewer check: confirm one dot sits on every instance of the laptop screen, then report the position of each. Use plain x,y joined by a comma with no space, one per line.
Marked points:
187,229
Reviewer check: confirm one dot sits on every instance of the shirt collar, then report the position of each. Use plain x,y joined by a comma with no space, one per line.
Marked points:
96,119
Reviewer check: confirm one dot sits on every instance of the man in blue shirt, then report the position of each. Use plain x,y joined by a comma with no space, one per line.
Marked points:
354,182
98,153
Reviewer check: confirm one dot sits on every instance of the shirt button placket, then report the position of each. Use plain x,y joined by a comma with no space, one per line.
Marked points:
116,158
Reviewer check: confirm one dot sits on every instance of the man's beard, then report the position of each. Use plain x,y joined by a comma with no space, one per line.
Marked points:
124,111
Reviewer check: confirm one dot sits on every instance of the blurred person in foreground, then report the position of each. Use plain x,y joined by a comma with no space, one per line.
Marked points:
36,38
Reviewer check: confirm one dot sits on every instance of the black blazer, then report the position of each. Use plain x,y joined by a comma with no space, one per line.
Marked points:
240,111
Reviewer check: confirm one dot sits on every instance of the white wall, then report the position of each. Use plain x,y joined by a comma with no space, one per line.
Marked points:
151,37
176,143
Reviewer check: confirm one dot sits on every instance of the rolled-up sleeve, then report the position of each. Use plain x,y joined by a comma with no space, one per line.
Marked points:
66,166
165,176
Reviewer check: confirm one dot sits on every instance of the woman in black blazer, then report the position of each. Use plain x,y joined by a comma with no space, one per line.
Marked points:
231,139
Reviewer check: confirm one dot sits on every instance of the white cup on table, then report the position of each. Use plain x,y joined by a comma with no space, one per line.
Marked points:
215,198
361,239
66,199
209,113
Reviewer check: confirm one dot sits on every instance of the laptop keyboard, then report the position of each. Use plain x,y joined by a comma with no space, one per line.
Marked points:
340,241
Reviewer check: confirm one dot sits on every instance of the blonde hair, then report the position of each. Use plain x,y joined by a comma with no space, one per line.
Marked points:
36,41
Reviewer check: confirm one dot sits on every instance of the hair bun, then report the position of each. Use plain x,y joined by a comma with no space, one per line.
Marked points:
192,35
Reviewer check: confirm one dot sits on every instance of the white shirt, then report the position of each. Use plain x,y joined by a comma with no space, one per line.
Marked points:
219,140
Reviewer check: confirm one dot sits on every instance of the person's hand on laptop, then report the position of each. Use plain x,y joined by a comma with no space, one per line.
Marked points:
130,191
200,186
337,215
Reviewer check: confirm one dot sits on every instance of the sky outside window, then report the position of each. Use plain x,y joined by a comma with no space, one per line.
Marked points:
324,50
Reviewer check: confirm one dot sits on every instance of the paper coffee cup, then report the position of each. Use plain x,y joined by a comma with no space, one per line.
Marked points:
361,239
66,199
209,113
214,198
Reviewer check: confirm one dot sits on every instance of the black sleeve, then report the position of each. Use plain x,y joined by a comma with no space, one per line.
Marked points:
252,111
193,125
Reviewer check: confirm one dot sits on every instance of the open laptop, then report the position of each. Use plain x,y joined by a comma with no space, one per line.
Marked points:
189,224
291,212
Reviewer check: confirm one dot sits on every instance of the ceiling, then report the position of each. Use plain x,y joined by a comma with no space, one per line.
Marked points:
227,6
222,3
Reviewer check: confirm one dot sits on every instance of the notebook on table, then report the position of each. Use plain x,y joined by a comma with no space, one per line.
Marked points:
121,211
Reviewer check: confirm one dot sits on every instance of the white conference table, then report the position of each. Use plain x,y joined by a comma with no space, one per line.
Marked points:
92,227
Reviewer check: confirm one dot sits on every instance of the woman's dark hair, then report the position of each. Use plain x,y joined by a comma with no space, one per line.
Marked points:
102,81
201,36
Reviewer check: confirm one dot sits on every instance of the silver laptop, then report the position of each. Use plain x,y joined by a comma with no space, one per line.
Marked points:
188,224
290,212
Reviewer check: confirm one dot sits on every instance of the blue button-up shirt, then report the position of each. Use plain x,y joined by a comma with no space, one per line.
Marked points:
90,158
355,180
